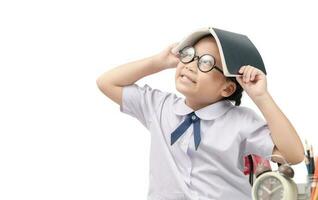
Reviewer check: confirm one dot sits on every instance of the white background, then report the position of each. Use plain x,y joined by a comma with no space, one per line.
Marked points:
61,138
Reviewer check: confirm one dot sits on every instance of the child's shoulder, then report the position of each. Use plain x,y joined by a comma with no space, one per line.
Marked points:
243,112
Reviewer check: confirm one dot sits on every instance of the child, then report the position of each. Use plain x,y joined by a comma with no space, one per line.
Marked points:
205,161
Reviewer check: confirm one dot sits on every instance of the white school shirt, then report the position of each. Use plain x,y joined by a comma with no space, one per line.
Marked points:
215,170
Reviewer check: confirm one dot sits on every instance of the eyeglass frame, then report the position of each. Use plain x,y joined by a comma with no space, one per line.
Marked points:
198,58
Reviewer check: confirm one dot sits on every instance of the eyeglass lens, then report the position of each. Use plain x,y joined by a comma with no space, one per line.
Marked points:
205,63
187,54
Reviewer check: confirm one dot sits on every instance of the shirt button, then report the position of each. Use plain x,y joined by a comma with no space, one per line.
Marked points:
193,117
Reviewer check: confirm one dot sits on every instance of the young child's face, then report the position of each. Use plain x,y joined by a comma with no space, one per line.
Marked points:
205,88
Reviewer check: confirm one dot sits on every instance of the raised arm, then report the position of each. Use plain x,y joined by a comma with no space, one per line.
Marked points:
286,140
111,82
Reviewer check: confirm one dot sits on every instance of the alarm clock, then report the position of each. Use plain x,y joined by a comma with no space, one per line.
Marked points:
274,185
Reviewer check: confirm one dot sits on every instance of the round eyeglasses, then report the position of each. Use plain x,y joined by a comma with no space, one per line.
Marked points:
206,62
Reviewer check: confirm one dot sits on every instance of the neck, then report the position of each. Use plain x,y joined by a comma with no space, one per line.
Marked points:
195,105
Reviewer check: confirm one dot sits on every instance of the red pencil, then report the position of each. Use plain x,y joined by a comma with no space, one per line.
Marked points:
314,193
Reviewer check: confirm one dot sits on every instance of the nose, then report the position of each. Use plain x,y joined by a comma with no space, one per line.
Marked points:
191,66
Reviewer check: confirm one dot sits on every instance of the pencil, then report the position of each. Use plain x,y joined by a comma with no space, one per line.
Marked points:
312,159
307,164
314,192
308,156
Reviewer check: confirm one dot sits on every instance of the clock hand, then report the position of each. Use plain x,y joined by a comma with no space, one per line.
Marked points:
266,189
277,188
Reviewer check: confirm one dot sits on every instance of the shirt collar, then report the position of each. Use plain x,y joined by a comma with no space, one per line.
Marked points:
209,112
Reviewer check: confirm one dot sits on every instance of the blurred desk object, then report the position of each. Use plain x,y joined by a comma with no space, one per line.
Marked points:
303,191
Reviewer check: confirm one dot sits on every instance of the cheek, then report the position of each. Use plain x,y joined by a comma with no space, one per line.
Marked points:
205,79
208,83
178,70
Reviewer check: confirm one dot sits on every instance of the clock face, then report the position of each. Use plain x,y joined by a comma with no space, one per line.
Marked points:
270,188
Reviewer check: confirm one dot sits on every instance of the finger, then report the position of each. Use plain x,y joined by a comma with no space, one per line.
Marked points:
253,74
247,73
171,47
259,75
242,70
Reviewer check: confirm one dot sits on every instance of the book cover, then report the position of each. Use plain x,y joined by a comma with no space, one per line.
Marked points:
236,50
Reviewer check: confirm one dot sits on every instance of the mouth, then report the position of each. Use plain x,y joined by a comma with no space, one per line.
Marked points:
187,79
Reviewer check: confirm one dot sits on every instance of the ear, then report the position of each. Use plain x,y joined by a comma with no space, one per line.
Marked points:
228,89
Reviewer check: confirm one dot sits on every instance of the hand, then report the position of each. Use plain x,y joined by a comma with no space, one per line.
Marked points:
168,59
253,81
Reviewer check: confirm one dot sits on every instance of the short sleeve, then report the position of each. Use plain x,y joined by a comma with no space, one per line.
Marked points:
257,138
141,102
